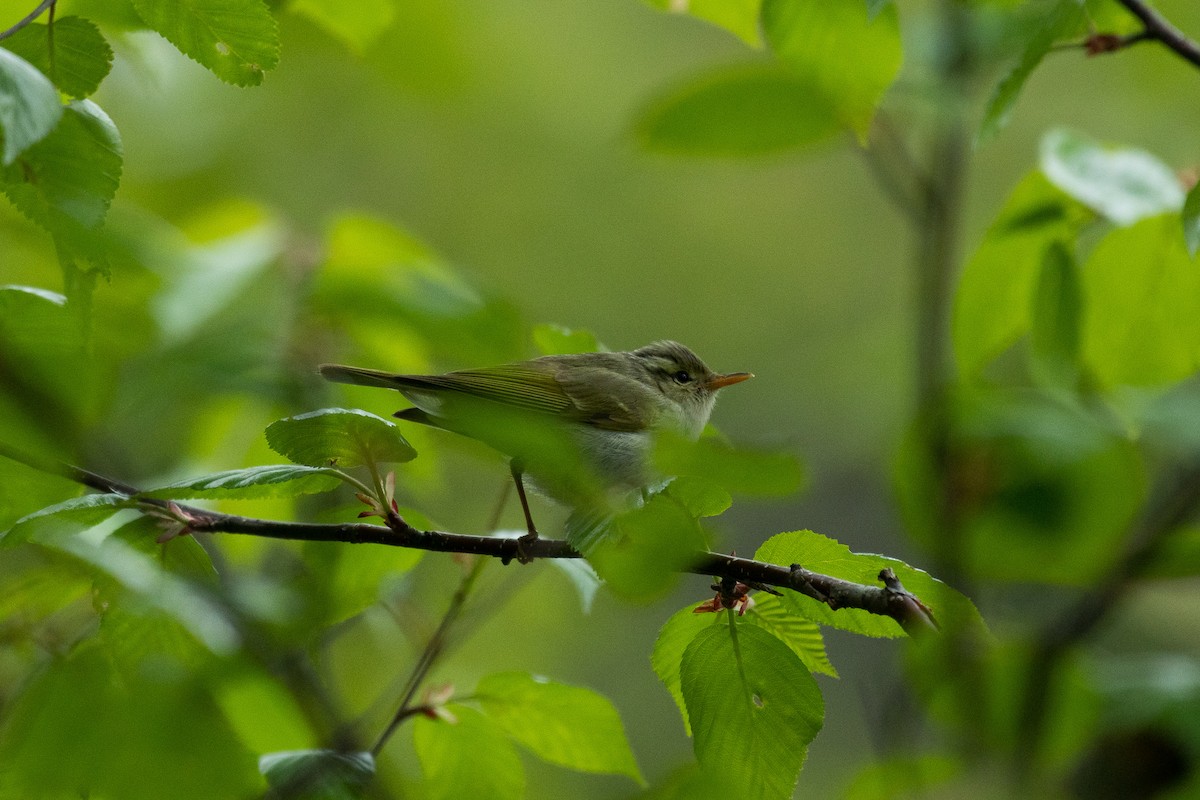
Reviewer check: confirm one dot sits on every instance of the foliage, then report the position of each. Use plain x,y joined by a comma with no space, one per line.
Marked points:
1059,453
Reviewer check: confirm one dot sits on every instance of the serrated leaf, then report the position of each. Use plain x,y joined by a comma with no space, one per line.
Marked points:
830,557
1123,184
673,639
799,633
754,709
1191,220
237,40
318,774
29,105
470,757
737,470
1142,297
742,111
739,17
1062,20
65,518
275,480
82,57
851,58
566,725
553,340
66,181
357,24
339,436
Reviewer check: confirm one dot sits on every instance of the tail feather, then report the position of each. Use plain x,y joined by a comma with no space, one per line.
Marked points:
359,376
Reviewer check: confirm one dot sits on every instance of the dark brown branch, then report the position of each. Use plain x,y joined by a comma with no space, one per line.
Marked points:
889,600
1157,28
30,17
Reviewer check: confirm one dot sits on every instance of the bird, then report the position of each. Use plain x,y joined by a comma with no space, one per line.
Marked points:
580,426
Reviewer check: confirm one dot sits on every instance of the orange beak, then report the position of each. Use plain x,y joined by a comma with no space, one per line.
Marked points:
721,381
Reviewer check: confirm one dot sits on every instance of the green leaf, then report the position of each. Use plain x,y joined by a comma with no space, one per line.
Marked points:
740,111
29,106
830,557
237,40
1191,220
739,17
701,497
552,340
1142,298
903,776
357,24
1041,34
753,706
639,553
566,725
583,577
1124,185
1057,318
318,774
82,57
470,757
67,180
1178,556
994,303
275,480
64,519
339,436
850,58
672,641
737,470
799,633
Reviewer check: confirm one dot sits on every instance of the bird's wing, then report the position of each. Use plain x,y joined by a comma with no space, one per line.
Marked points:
593,395
515,385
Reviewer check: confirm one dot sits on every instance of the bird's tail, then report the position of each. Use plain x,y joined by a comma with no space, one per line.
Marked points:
358,376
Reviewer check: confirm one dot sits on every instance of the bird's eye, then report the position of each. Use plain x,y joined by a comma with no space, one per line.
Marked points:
682,377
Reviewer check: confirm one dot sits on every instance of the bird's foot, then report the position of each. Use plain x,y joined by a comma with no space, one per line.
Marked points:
524,543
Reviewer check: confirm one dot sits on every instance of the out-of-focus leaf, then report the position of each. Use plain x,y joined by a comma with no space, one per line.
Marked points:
742,111
1177,557
276,480
830,557
753,706
1124,185
1191,220
65,518
566,725
1062,20
82,57
29,106
1057,318
362,577
265,716
339,437
318,774
552,340
701,497
357,24
673,639
739,17
639,553
901,776
852,59
583,577
740,471
1142,298
799,633
993,305
81,727
237,40
66,181
470,757
409,305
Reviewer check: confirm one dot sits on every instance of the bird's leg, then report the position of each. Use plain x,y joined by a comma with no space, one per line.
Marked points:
518,470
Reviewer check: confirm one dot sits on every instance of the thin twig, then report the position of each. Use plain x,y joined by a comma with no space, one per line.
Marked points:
37,12
1158,28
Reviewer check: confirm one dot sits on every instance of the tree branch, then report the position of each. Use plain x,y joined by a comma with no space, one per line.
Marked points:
30,17
889,600
1157,27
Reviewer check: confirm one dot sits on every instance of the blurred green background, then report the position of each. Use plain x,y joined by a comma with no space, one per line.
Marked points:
500,134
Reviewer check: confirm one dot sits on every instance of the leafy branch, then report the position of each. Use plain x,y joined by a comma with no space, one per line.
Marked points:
1155,28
